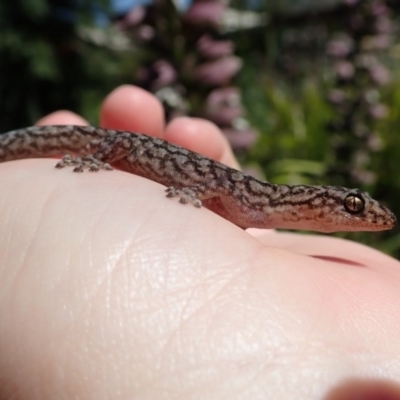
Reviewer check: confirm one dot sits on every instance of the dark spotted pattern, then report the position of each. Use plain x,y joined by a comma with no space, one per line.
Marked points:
241,199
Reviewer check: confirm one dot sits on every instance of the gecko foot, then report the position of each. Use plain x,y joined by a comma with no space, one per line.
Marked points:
81,163
186,195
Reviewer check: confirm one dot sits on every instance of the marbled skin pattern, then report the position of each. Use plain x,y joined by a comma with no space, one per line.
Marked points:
237,197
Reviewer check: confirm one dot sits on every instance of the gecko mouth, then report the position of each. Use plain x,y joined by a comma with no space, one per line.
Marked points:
390,221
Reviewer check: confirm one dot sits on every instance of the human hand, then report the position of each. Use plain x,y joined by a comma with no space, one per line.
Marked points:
110,290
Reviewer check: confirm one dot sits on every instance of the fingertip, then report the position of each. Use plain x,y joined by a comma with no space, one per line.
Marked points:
134,109
62,117
200,136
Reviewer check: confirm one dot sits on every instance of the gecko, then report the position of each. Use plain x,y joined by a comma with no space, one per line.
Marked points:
239,198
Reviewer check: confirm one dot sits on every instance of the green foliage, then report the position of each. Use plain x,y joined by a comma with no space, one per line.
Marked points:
47,63
293,7
386,163
294,145
35,9
291,125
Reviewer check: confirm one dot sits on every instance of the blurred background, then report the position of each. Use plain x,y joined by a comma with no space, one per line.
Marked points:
306,91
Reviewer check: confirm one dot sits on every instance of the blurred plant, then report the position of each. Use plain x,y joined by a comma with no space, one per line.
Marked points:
350,38
49,61
300,7
316,86
190,64
364,30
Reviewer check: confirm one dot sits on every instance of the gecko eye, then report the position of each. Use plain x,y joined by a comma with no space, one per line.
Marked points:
354,204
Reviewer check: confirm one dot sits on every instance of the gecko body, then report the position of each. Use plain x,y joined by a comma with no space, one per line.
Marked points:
237,197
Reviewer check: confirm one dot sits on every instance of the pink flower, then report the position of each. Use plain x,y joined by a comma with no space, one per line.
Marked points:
337,96
223,106
145,33
380,74
350,2
340,47
344,69
365,177
374,142
219,71
206,12
379,8
377,42
165,73
384,25
210,48
228,95
366,60
378,111
240,139
132,18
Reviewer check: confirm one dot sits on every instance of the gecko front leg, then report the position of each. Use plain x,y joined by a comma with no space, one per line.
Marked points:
116,146
186,195
90,163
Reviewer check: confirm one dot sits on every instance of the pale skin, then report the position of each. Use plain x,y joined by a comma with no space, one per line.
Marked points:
110,290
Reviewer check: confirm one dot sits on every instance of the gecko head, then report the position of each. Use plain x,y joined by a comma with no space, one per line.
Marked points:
330,209
353,210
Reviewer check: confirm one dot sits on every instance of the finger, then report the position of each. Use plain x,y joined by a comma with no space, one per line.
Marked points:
62,117
201,136
326,248
133,109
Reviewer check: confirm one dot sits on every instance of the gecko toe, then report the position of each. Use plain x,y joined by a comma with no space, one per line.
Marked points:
81,164
186,195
